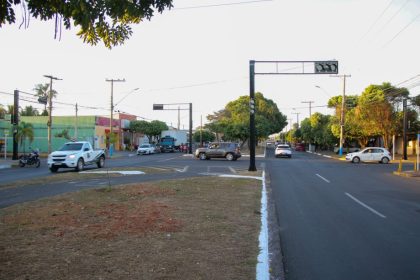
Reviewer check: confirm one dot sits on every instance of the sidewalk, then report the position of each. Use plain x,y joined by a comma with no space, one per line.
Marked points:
8,163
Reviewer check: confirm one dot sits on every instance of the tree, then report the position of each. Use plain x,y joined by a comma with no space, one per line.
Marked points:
29,111
63,134
317,130
25,131
42,91
2,112
233,120
100,20
204,135
150,129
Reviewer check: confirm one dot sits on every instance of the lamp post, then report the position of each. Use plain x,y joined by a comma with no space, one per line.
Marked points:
50,96
112,111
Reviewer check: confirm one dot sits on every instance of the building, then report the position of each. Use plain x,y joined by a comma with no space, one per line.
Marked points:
94,129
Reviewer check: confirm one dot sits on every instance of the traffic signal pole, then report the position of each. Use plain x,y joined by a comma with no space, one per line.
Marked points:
306,68
252,166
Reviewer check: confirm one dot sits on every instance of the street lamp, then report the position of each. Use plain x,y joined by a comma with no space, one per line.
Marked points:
136,89
323,90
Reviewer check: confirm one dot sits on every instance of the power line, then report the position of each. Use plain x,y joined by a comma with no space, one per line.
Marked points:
377,20
404,28
223,4
393,16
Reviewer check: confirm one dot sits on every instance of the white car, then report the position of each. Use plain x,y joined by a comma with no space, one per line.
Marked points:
283,150
146,149
378,154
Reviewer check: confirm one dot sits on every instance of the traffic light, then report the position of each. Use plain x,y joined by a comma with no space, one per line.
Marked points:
43,99
157,106
326,67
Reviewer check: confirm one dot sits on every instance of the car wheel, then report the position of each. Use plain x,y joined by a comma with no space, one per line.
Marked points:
101,162
53,169
385,160
202,156
21,164
355,160
229,157
80,165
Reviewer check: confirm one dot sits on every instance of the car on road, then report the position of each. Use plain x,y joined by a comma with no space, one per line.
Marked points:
283,150
146,149
227,150
378,154
300,147
76,155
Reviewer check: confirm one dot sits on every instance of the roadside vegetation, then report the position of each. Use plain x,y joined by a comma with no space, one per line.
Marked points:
373,116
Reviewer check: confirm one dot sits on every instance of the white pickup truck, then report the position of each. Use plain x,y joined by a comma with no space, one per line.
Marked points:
76,155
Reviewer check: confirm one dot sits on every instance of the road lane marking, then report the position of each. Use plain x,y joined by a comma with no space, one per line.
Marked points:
323,178
182,170
168,159
232,170
366,206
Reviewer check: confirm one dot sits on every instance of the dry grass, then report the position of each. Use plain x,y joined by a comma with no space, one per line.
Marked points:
197,228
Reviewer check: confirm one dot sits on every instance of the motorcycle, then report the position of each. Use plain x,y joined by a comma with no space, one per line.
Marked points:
31,159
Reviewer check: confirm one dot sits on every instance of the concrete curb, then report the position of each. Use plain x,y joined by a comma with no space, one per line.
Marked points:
407,173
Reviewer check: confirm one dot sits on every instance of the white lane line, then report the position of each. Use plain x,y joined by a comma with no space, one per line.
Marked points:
168,159
323,178
232,170
182,170
366,206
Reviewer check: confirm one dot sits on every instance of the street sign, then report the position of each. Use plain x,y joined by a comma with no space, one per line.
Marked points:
157,106
326,67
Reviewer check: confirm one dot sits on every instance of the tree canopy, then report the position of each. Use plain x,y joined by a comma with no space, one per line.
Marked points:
150,129
100,20
233,120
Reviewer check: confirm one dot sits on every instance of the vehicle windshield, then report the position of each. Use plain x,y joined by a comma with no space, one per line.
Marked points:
145,146
72,147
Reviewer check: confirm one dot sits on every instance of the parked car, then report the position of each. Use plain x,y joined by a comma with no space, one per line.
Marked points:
283,150
378,154
300,147
146,149
227,150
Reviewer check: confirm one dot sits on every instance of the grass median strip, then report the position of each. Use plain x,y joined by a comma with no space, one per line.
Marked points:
195,228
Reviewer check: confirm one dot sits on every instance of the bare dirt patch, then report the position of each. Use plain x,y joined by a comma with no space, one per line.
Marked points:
197,228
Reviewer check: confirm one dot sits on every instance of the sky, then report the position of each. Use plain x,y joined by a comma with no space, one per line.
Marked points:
199,53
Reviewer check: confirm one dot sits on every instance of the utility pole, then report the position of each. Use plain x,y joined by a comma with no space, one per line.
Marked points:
297,119
190,136
291,127
15,122
310,106
50,96
112,111
76,125
404,129
201,131
179,117
343,103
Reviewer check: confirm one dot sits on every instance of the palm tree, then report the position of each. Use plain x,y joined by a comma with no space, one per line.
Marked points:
25,130
42,91
29,111
2,111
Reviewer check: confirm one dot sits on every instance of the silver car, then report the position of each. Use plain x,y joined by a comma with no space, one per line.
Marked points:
377,154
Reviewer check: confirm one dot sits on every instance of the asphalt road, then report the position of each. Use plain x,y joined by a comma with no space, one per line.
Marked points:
181,166
345,221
